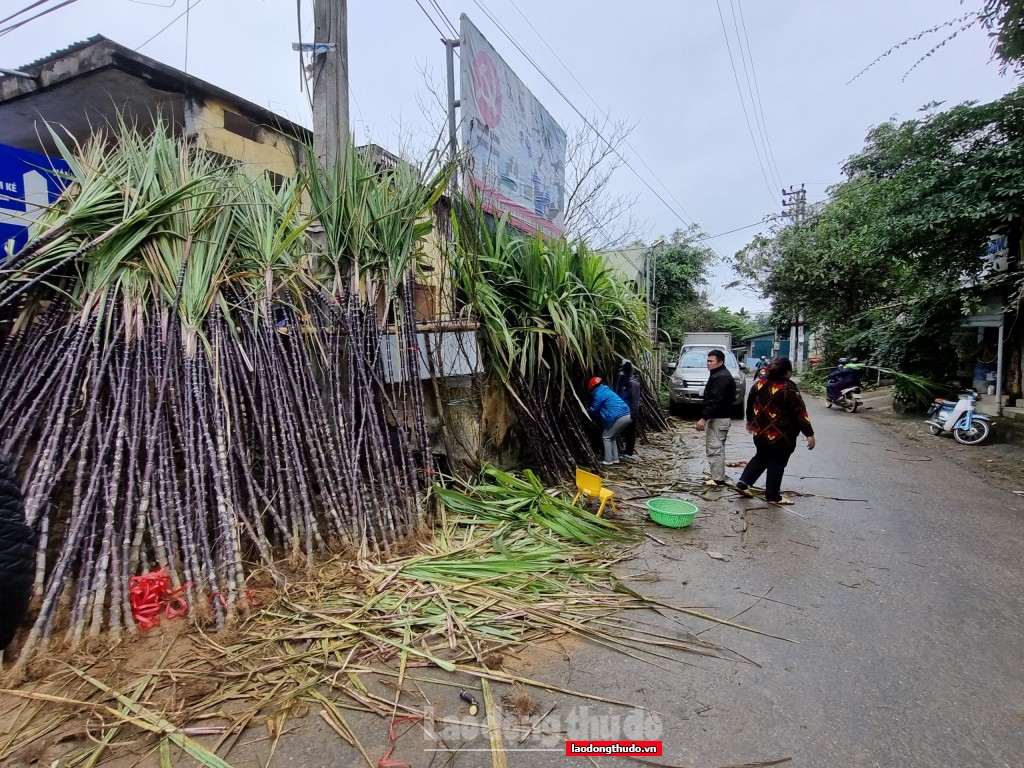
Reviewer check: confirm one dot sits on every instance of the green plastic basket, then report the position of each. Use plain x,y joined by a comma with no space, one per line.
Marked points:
674,513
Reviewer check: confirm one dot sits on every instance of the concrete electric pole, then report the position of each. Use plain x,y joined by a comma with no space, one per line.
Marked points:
794,207
330,80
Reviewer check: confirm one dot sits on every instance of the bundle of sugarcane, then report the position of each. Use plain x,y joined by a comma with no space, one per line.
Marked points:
190,384
552,315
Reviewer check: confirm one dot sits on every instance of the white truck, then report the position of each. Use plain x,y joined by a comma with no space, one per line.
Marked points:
689,372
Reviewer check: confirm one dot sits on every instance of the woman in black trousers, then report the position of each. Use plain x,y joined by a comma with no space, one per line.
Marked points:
776,415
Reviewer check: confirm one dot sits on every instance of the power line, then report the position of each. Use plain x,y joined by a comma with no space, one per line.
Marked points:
594,102
738,229
26,9
745,54
431,19
188,7
444,16
593,220
583,117
757,92
303,79
743,103
23,22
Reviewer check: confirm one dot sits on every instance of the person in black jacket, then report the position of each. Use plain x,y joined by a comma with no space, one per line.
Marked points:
627,386
719,395
17,556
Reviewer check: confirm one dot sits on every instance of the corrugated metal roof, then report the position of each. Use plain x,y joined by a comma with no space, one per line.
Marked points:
65,51
127,59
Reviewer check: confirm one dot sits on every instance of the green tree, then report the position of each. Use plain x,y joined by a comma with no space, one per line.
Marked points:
681,266
1005,21
903,236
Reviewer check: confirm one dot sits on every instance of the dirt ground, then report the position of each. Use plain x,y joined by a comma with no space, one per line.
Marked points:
1001,459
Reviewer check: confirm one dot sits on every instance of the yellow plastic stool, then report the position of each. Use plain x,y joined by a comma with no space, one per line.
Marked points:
589,485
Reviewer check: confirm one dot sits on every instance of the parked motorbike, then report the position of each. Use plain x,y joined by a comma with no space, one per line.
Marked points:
959,417
849,399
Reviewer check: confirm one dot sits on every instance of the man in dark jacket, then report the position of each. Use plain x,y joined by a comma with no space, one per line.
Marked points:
719,396
627,386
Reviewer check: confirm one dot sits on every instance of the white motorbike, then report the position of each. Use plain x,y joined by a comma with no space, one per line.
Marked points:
849,399
959,417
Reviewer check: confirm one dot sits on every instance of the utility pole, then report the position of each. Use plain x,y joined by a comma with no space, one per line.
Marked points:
794,204
330,81
794,207
651,297
453,104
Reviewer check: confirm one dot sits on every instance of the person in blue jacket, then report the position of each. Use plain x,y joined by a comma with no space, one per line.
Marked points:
614,415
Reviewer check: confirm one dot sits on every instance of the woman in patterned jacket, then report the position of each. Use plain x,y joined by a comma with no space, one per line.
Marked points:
776,415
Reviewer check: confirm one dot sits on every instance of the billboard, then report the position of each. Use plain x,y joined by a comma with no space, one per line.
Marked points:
29,182
516,149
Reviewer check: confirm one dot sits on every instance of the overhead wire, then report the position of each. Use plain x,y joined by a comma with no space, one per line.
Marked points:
579,113
42,13
26,9
740,229
189,7
594,223
444,16
756,91
303,79
743,102
598,106
430,19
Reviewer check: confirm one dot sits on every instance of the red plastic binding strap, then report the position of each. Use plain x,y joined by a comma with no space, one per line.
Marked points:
387,761
150,593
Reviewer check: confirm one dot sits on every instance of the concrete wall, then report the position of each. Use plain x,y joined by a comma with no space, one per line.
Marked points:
265,149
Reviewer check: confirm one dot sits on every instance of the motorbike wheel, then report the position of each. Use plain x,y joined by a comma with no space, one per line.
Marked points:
933,430
850,406
978,433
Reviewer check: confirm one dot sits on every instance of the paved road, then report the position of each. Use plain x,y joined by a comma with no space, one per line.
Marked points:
906,599
908,609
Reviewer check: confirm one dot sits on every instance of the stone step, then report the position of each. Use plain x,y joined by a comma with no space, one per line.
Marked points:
987,405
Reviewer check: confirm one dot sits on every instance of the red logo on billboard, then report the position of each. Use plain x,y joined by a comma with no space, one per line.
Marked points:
487,88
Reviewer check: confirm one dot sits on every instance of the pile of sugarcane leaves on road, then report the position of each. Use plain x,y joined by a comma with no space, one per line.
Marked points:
507,563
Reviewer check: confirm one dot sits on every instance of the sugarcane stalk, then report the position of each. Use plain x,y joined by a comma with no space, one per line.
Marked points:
40,481
112,489
56,584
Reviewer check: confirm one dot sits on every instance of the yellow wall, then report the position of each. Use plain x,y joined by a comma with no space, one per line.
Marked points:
432,251
275,153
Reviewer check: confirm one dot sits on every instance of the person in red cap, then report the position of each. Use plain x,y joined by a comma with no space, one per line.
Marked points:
614,414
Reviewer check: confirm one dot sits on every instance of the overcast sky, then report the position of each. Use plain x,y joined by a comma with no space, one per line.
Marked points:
663,64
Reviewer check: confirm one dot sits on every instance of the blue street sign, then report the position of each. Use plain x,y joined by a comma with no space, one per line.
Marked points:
28,183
